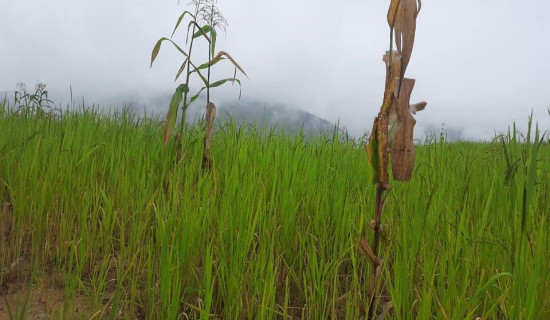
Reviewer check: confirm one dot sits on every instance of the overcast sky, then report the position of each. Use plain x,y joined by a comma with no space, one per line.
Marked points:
480,64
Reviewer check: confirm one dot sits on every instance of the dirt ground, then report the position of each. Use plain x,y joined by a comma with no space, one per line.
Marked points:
45,301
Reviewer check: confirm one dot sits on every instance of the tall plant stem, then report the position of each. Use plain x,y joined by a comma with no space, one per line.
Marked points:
208,77
378,207
187,76
210,49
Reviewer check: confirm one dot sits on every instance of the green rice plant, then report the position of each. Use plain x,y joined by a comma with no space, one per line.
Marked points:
271,231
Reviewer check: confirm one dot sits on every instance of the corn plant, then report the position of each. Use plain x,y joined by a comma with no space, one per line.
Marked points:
206,12
393,128
34,103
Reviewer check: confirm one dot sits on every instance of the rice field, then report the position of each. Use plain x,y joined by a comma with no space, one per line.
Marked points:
99,222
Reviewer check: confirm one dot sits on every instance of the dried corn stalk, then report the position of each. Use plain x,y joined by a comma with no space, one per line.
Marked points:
393,128
209,122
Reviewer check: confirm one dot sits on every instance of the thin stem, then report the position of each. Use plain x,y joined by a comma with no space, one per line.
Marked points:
187,76
208,76
379,207
212,25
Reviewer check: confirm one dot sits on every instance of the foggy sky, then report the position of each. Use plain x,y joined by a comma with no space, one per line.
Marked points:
481,65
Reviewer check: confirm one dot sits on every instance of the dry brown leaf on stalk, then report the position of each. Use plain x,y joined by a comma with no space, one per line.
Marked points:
393,63
377,154
371,148
409,9
383,136
209,118
366,249
405,30
377,149
181,68
221,54
383,177
373,156
388,96
414,108
398,29
402,151
392,12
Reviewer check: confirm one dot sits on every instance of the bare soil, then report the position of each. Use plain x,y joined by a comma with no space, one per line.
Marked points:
45,300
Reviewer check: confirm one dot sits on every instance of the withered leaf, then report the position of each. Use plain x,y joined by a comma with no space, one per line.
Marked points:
414,108
402,151
392,12
372,151
209,119
383,177
366,249
409,11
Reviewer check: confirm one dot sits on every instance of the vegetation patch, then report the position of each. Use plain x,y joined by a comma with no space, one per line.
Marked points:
96,207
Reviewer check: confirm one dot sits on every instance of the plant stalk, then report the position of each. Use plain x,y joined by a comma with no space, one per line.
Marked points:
378,207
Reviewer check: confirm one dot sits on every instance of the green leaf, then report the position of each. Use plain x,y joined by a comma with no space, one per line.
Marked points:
193,98
202,66
214,35
532,168
173,112
220,82
183,88
206,65
204,30
179,21
481,291
194,23
156,49
178,47
197,70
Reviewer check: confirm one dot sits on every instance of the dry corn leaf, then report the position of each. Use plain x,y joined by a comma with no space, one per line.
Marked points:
392,12
209,119
371,147
378,142
409,11
366,249
402,151
405,29
414,108
398,29
388,97
383,177
373,153
393,69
